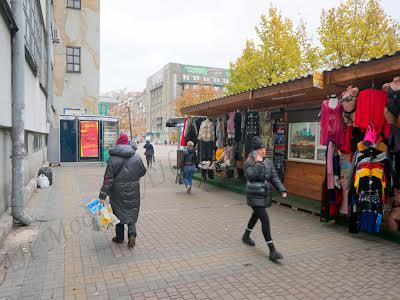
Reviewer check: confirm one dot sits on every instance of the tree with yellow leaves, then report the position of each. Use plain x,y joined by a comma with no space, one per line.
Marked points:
357,30
283,53
192,96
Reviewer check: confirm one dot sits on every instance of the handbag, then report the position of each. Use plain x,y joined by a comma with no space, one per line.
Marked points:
179,178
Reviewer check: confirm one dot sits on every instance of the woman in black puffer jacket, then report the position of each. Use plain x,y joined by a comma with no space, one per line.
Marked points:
261,175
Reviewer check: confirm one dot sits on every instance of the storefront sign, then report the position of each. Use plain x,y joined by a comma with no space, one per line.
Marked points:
89,131
195,70
318,80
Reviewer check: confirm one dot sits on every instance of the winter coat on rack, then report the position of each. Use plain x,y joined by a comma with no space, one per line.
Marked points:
260,178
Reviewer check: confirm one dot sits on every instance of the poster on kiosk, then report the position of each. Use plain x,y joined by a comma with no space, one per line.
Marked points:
89,140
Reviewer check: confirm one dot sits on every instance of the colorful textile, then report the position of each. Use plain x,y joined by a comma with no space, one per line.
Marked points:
332,124
206,133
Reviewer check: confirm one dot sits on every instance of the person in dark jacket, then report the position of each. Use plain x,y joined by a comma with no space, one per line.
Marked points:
149,153
121,184
261,174
189,163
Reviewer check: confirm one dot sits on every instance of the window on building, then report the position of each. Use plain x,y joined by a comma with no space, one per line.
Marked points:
37,142
73,60
33,31
74,4
26,142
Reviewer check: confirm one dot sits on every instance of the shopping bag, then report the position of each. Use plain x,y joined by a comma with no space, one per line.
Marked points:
43,181
106,219
102,215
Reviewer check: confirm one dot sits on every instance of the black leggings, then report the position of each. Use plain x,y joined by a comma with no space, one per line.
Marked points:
261,213
149,159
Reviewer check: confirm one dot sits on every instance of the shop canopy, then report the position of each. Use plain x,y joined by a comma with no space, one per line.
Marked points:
303,92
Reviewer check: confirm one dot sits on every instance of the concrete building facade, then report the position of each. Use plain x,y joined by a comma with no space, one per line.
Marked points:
163,87
76,56
76,66
35,98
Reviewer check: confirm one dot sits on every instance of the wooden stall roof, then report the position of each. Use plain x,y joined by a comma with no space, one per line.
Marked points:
301,92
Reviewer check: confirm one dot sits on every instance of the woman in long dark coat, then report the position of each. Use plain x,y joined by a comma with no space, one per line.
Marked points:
121,184
261,175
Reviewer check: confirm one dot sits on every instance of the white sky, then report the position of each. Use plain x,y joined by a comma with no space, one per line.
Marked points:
138,37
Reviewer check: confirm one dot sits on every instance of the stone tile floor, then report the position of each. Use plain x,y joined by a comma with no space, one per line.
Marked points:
188,247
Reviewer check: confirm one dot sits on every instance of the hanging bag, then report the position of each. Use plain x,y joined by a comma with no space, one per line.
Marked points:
179,178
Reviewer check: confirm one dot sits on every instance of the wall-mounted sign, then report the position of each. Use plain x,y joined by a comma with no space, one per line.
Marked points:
318,80
195,70
89,133
103,109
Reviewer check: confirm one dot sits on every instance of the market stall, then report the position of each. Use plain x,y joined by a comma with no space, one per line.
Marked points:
295,121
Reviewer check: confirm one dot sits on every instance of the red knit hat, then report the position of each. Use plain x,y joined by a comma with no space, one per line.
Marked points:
123,139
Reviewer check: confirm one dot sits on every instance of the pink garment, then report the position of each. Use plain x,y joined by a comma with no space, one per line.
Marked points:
231,123
345,204
332,124
329,167
183,140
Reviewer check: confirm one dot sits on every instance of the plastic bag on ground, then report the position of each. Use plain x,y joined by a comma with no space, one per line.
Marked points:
43,181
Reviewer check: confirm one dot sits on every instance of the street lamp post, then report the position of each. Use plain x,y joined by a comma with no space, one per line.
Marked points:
130,123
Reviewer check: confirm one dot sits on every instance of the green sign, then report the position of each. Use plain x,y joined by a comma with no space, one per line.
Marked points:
195,70
106,156
103,109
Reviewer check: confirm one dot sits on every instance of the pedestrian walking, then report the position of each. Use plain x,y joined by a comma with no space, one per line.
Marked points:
121,184
189,163
149,153
261,175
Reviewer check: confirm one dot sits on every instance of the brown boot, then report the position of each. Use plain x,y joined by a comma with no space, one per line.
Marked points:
131,241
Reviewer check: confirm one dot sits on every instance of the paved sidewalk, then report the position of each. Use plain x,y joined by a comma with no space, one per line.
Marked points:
188,247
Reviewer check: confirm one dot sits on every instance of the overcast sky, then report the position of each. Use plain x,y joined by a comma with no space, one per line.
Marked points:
139,37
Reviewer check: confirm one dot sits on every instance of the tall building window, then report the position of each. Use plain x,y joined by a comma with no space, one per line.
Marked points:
74,4
33,32
73,60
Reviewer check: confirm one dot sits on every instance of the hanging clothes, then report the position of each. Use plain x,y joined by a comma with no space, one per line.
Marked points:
238,127
206,132
371,181
231,125
370,109
183,140
332,124
252,130
218,134
191,131
345,169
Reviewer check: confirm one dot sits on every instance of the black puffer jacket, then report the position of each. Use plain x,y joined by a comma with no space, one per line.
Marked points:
123,188
189,158
260,178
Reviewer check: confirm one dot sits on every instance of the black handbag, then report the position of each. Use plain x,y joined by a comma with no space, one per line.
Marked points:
179,178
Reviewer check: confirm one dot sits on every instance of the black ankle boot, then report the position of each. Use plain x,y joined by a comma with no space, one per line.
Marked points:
247,239
274,254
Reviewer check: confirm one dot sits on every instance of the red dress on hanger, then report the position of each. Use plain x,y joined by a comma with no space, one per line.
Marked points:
370,109
332,124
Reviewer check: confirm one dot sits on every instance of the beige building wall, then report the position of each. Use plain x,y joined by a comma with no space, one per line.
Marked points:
77,28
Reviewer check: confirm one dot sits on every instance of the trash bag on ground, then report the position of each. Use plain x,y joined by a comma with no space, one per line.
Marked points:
48,172
43,182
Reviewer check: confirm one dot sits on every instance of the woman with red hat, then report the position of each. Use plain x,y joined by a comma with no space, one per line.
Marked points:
121,184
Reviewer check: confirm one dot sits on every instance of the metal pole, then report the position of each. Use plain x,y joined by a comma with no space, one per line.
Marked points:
18,115
130,123
49,42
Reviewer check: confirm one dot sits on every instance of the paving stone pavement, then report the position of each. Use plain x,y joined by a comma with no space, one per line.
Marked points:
188,247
